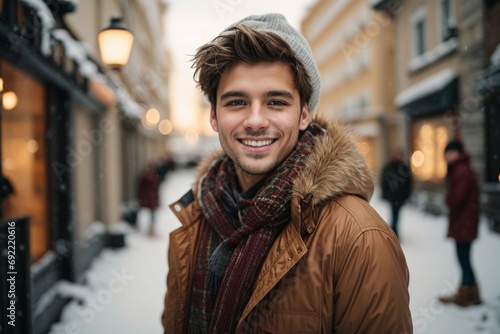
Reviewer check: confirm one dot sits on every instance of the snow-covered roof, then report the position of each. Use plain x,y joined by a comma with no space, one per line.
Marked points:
79,52
47,20
76,51
425,87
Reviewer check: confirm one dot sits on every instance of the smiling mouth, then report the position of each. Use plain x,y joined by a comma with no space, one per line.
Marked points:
257,143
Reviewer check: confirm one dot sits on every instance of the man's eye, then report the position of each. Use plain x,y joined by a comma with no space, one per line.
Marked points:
236,103
277,103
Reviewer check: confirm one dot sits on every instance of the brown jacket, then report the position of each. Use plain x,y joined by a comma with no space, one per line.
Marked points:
336,268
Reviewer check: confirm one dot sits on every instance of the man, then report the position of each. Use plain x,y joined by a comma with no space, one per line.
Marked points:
396,186
463,204
148,187
277,232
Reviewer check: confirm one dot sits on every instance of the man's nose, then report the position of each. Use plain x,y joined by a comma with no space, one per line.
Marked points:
256,117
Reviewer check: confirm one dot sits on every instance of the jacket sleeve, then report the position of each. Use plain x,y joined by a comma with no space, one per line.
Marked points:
168,313
371,291
172,315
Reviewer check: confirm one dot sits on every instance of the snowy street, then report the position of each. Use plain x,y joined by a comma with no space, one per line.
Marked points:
125,287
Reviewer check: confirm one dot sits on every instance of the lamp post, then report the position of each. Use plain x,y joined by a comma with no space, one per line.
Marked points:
115,43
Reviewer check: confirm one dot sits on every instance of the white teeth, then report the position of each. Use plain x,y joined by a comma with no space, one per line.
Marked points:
257,143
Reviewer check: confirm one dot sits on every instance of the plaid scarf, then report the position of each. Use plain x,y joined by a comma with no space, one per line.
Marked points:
240,231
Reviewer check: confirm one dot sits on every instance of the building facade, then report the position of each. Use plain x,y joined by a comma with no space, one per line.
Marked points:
142,86
353,47
73,136
427,68
444,48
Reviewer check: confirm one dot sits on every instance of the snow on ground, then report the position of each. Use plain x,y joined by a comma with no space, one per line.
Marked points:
125,287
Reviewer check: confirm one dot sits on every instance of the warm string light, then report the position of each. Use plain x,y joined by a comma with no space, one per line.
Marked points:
9,100
165,127
152,116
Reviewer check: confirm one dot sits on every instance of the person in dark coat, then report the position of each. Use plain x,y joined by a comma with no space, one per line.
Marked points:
396,186
463,202
148,192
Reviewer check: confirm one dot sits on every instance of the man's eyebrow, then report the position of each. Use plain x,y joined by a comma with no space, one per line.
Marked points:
279,93
233,93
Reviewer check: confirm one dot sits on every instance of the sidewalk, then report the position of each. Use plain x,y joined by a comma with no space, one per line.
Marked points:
126,287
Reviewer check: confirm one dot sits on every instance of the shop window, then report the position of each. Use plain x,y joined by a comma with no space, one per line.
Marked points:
427,160
24,153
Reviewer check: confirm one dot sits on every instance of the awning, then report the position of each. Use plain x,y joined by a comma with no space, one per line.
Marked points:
435,94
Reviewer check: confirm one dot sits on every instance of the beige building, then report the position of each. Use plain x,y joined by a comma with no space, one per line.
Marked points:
353,47
141,85
439,53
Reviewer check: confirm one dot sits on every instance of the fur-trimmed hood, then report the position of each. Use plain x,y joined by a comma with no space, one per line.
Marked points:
335,167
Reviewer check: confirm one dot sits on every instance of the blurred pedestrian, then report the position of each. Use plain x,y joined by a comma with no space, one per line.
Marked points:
396,186
164,165
277,234
148,193
463,203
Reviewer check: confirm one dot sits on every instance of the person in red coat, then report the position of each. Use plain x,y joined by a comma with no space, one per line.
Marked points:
463,203
148,192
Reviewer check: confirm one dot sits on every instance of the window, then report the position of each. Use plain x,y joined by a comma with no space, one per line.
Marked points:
420,37
24,154
418,21
447,19
429,140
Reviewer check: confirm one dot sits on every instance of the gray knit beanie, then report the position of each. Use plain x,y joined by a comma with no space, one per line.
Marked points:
277,23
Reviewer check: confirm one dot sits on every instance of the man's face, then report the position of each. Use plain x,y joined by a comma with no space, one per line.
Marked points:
258,117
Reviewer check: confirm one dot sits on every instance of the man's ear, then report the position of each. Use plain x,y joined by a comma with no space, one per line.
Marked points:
213,119
305,117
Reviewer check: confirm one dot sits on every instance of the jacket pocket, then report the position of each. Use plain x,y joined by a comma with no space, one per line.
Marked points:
290,322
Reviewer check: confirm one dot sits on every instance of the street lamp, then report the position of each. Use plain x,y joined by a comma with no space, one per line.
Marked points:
115,43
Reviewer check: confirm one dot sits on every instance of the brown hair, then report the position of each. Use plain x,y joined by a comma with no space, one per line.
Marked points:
244,44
